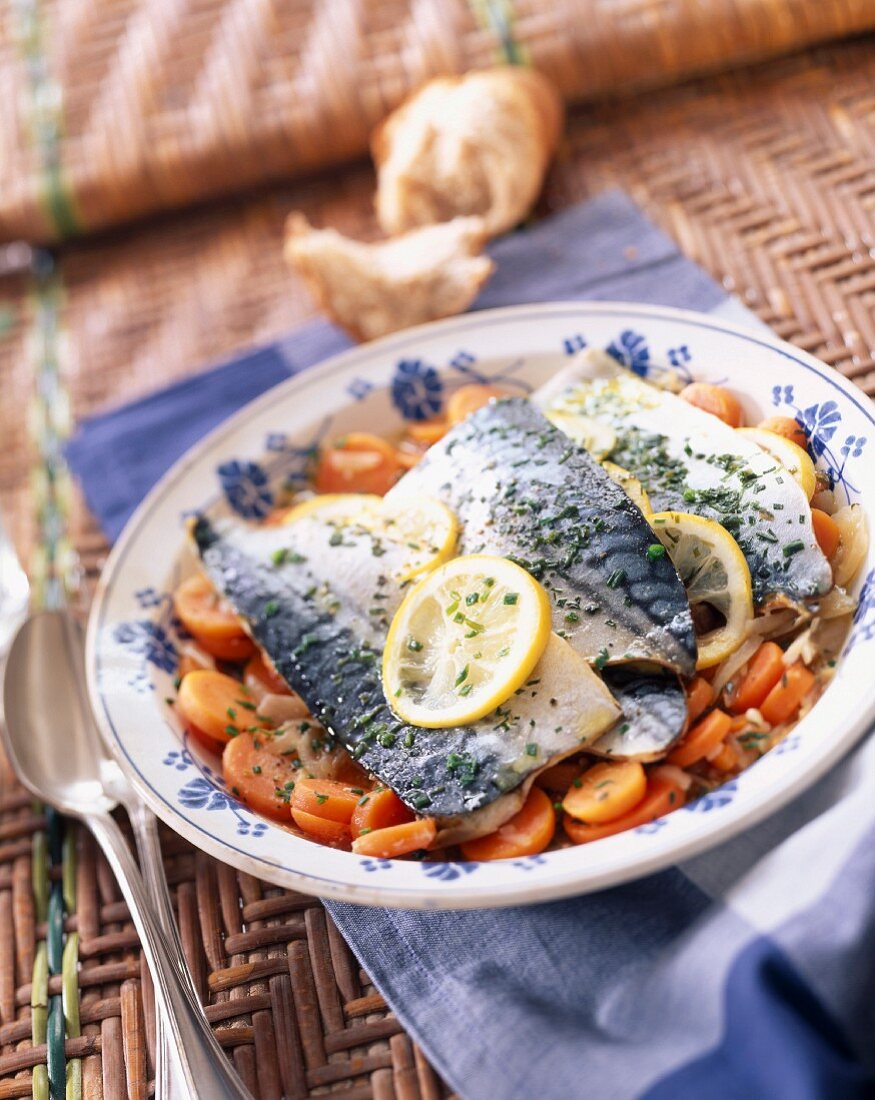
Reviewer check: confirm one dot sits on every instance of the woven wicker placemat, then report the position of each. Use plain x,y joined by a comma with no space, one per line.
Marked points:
116,110
766,177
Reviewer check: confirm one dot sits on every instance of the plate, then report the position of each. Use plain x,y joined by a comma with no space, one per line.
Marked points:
133,637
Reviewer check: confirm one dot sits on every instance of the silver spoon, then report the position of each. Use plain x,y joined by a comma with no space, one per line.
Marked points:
55,749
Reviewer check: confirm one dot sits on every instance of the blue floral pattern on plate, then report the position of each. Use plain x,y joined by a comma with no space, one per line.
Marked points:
246,488
417,390
821,421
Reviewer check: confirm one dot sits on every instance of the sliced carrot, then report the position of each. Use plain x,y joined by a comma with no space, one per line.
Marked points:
661,798
701,739
700,696
428,431
725,759
785,698
357,463
262,779
320,828
396,840
606,791
326,798
527,833
469,399
211,620
216,704
559,777
409,459
258,674
764,671
208,743
379,809
787,427
826,531
188,662
715,400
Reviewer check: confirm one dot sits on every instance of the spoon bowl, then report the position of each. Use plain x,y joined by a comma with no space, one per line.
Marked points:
51,739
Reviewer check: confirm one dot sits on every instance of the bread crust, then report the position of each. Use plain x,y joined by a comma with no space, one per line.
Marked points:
477,144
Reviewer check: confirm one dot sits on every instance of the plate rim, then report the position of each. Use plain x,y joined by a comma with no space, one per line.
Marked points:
563,882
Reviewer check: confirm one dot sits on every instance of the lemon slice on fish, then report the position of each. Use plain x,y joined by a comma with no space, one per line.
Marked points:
422,528
596,436
463,641
789,454
335,507
426,529
715,575
630,485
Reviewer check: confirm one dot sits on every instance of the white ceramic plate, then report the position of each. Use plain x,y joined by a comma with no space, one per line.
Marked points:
133,638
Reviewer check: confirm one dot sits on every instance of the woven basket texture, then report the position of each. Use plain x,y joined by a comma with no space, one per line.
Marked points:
766,177
117,108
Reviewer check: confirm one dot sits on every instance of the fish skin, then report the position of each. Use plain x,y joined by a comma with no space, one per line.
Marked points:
332,658
654,712
507,453
596,385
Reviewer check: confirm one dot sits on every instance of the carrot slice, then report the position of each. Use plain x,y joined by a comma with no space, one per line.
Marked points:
469,399
211,620
661,798
357,463
606,791
826,531
209,743
218,705
396,840
787,427
785,698
764,671
528,832
701,739
258,674
320,828
262,779
379,809
715,400
409,459
188,663
725,759
700,696
326,798
428,431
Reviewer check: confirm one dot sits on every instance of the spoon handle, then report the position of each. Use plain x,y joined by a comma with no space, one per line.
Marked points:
204,1066
168,1086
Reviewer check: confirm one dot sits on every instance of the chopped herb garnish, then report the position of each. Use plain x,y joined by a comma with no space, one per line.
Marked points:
655,551
511,598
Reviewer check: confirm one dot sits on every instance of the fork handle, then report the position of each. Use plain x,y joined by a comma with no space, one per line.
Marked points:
168,1085
201,1060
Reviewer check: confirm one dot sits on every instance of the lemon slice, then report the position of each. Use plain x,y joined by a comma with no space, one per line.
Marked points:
423,529
789,454
630,485
714,571
463,641
426,529
598,438
335,507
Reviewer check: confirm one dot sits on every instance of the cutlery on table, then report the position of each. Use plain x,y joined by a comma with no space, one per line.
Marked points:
55,748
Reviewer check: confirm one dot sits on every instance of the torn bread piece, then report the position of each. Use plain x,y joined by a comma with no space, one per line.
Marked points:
475,144
374,289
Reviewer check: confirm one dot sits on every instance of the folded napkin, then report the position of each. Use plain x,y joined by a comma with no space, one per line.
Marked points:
748,972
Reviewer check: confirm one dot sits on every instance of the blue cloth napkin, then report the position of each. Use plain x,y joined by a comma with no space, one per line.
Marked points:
745,974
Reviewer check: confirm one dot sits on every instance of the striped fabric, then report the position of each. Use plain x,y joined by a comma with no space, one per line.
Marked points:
745,974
